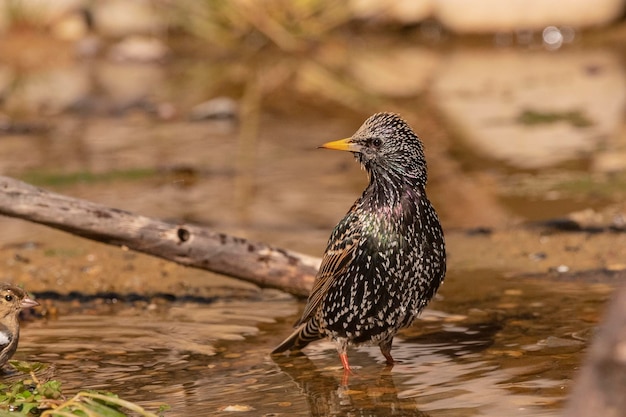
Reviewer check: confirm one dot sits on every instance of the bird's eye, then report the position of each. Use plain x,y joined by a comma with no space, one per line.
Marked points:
8,297
377,142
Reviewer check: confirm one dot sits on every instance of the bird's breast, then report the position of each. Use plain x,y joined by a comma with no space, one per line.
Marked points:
396,266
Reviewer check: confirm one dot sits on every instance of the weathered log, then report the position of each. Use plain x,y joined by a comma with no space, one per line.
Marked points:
186,244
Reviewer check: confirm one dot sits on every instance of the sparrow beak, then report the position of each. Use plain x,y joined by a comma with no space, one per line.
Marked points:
28,302
341,145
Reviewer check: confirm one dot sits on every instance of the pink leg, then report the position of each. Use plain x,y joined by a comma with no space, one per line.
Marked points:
347,371
344,362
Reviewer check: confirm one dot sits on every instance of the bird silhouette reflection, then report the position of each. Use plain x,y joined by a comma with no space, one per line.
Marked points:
363,393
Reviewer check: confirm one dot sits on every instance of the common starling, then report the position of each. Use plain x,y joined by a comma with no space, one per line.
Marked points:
386,258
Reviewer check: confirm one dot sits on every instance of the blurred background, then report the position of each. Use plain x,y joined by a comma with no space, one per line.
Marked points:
211,112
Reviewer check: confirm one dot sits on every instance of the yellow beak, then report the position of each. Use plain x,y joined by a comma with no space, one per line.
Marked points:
340,145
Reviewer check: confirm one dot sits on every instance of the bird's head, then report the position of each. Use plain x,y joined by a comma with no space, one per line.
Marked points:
13,299
385,144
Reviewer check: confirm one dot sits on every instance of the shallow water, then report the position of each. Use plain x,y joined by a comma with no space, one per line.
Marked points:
488,346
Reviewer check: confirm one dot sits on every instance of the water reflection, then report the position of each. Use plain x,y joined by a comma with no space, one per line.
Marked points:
372,389
450,377
368,393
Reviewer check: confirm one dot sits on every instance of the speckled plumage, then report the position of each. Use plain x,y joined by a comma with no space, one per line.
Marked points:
386,258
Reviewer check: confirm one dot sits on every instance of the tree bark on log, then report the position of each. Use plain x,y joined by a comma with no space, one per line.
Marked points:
186,244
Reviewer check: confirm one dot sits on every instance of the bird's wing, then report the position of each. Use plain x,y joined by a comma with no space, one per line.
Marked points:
6,336
338,256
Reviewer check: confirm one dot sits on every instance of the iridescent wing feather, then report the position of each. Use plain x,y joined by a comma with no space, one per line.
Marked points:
337,258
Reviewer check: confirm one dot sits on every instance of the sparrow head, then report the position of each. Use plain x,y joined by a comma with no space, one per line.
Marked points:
13,299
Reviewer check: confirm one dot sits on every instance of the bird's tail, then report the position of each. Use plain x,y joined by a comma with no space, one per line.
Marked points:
306,333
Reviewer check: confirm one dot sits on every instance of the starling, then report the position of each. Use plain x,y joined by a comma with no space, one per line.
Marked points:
386,258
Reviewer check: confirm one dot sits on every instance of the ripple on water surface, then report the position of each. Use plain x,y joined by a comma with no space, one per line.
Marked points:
511,350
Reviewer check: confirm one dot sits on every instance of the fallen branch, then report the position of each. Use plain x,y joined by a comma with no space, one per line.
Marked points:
185,244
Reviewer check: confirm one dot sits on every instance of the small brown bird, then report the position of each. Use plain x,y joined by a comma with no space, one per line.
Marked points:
386,258
12,300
